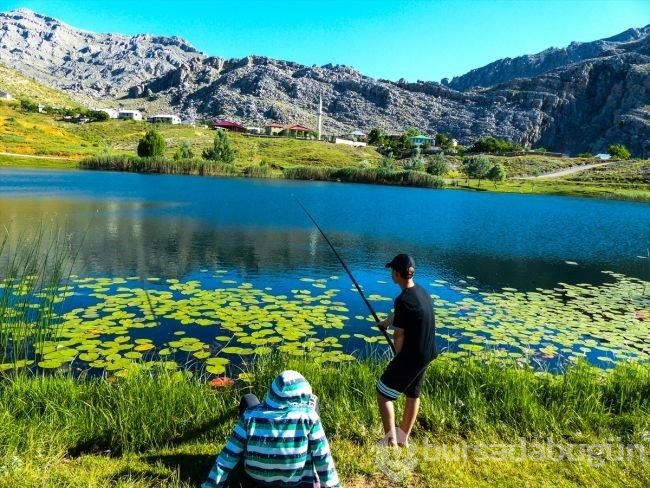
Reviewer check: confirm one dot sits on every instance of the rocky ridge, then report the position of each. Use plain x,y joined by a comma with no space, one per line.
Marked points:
581,106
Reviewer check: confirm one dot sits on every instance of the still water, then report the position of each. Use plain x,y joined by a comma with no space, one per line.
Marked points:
153,228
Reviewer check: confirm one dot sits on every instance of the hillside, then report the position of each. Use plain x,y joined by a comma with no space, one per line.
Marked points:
44,134
20,86
583,106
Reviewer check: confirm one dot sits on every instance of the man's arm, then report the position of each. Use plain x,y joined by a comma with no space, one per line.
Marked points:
384,324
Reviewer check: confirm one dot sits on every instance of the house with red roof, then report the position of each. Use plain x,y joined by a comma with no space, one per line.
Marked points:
296,130
228,125
273,129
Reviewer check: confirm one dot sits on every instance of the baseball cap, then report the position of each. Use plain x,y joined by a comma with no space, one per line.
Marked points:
403,264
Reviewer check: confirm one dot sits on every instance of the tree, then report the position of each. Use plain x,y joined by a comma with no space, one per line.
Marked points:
497,173
96,115
416,163
438,166
444,141
477,167
375,137
184,151
221,151
619,151
494,145
152,145
28,105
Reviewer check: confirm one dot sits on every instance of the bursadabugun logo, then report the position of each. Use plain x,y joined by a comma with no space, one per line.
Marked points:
396,462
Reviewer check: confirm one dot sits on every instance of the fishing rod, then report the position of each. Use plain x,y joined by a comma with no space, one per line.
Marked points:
347,270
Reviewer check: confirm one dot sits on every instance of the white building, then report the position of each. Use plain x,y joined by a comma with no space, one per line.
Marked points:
129,115
5,96
164,119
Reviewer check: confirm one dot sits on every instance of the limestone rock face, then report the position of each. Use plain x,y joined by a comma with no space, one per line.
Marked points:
581,98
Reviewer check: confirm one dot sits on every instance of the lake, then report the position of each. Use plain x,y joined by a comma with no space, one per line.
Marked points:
211,269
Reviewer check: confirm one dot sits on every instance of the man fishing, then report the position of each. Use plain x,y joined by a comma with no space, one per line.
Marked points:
414,338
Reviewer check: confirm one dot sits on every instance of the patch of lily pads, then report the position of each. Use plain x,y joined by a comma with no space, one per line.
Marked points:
605,323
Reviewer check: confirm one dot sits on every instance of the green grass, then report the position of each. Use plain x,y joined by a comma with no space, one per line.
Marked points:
39,134
619,172
635,191
22,161
164,428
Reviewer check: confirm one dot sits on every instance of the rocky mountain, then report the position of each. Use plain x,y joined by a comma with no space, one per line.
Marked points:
530,65
582,106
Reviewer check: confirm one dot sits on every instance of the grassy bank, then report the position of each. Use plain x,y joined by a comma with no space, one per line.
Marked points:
163,428
576,188
21,161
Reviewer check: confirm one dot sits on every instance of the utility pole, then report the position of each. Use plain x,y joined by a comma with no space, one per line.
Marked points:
319,117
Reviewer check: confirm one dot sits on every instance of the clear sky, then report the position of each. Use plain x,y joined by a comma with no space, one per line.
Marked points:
413,39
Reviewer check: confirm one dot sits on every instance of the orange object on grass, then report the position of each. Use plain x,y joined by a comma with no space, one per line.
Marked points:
221,382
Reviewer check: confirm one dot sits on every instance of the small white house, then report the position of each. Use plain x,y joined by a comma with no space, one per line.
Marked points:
111,112
5,96
603,156
164,119
348,142
129,115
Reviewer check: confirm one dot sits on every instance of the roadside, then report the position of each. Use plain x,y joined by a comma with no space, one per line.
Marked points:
565,172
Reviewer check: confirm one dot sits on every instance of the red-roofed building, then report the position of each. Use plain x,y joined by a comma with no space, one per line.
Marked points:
296,130
273,129
228,125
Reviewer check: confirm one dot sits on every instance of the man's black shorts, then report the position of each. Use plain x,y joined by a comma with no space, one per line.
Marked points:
402,377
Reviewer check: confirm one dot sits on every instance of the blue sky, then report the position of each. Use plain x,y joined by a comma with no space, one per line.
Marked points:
414,39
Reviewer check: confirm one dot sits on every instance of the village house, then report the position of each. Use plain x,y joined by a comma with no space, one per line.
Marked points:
420,140
164,119
129,115
357,135
229,125
296,131
273,129
5,96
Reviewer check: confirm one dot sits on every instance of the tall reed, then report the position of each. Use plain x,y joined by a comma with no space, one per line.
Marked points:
381,176
32,270
158,165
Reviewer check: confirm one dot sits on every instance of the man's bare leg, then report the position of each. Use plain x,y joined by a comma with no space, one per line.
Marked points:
387,413
410,414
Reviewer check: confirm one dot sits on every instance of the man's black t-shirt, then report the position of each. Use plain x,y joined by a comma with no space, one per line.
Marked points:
414,314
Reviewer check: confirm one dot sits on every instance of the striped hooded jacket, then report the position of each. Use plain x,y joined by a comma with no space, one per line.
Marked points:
281,440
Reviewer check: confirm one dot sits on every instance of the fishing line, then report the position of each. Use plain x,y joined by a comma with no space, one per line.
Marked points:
347,270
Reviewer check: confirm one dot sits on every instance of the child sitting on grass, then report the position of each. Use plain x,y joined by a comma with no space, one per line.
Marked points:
279,442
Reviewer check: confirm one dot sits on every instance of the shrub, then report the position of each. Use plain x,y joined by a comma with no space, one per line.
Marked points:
477,167
494,145
619,151
184,151
438,165
152,145
221,151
